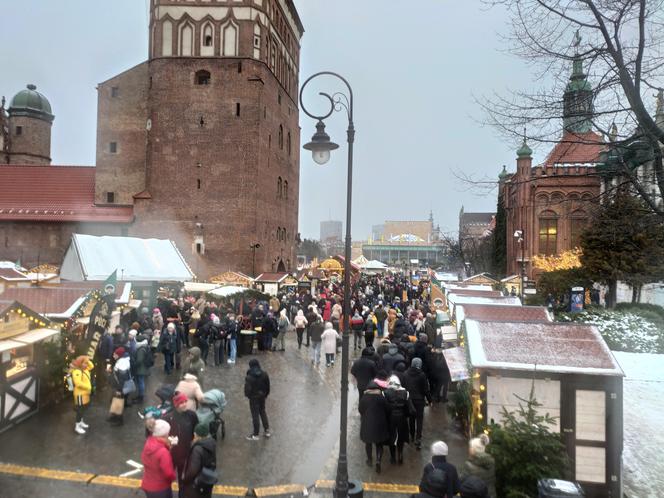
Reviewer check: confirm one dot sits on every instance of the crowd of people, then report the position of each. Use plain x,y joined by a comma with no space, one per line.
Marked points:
401,369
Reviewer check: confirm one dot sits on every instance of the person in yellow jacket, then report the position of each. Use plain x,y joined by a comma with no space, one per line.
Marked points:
81,375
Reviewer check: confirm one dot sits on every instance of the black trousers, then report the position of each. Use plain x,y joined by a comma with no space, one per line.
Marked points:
436,386
257,407
300,333
379,451
415,423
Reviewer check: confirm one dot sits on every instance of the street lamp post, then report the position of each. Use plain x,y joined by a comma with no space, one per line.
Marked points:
320,147
520,237
253,248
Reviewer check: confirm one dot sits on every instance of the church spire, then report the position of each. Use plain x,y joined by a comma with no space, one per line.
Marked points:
578,98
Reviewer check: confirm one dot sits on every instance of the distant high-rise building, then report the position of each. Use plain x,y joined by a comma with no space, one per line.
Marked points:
331,231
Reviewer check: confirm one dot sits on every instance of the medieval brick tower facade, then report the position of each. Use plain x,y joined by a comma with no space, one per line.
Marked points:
202,139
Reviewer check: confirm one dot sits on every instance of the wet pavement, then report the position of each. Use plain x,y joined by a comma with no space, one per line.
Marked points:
303,409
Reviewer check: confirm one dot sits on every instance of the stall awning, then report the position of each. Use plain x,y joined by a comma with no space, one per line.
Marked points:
36,335
10,344
200,286
227,291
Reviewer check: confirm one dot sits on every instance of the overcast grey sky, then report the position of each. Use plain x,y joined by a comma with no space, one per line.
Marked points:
414,67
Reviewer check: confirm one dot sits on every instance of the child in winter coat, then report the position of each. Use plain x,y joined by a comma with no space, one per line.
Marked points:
81,369
329,339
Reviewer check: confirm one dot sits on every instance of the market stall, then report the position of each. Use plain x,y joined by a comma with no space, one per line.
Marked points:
575,379
22,331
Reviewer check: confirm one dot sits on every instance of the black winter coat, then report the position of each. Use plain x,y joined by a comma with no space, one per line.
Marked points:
203,453
436,367
182,426
256,383
364,370
440,462
392,358
401,408
415,381
316,331
374,424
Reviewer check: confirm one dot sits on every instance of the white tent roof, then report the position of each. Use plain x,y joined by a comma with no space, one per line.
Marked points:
361,260
373,265
145,260
228,290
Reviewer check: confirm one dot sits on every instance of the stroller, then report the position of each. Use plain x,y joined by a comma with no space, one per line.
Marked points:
165,394
211,408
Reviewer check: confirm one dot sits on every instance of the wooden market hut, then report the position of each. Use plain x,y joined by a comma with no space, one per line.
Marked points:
575,378
274,283
22,361
236,278
481,278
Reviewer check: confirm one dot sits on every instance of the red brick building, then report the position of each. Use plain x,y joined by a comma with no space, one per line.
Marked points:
550,203
199,144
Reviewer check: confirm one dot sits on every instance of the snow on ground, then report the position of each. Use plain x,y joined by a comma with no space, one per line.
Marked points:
643,406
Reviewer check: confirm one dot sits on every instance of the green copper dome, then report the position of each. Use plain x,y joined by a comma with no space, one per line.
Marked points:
503,174
30,102
524,150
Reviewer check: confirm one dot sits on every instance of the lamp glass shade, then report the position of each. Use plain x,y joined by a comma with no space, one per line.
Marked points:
321,156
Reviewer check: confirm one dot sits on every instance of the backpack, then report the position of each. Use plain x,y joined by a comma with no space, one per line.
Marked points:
149,356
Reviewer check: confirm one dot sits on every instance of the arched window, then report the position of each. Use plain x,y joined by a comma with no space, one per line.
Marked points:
285,191
186,39
578,222
279,188
230,39
288,143
202,77
167,38
281,137
207,40
548,233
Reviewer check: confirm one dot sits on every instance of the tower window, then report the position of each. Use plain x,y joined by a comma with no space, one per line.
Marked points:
202,77
110,197
113,147
288,143
19,130
198,183
208,41
281,137
279,99
115,91
239,67
201,122
279,188
285,190
237,109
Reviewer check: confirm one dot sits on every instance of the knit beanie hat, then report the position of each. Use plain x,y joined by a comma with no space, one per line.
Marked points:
179,399
478,444
439,448
119,352
417,363
202,430
161,428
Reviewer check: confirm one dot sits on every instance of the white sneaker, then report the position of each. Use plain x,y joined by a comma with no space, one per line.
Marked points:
79,429
83,424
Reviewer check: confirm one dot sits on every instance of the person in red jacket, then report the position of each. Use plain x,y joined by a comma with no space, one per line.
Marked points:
158,469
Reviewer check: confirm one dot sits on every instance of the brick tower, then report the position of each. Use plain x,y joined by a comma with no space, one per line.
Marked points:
203,137
28,133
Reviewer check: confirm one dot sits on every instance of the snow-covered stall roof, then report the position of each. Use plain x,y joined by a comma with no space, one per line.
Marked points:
643,405
140,260
545,347
500,313
229,290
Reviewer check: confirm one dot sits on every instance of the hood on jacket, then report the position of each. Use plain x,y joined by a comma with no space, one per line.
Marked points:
195,353
208,444
300,314
141,343
367,353
393,350
475,487
153,445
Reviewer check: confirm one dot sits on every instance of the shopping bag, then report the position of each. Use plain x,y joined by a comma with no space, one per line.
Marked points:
117,406
128,387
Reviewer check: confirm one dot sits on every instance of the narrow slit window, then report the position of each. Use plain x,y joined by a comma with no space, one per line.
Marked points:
113,147
115,91
19,130
198,183
110,197
237,109
201,122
